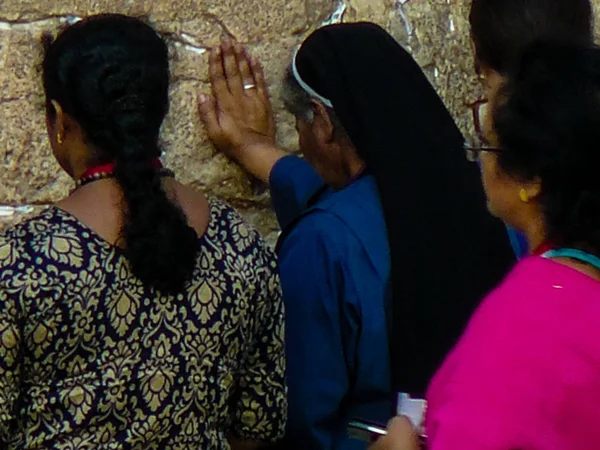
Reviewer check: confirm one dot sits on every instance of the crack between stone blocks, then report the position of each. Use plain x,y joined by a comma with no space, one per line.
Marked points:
26,204
337,15
184,40
13,99
404,17
8,24
10,211
219,22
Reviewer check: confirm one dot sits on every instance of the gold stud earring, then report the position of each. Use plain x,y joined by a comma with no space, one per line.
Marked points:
524,196
59,139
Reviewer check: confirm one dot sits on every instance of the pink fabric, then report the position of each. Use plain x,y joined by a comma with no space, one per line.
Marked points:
526,373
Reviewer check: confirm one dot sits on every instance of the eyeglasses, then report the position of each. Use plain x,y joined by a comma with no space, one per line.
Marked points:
474,149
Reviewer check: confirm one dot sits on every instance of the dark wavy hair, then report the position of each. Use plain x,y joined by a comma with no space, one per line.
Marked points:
503,29
111,74
548,122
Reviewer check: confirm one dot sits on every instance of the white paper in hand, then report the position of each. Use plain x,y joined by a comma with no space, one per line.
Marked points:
414,409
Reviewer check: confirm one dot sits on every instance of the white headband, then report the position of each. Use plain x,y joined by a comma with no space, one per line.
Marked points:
310,91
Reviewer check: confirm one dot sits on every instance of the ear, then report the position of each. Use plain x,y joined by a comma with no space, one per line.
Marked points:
321,123
59,126
533,188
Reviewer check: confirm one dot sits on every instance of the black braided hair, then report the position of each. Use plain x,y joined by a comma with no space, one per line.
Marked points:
111,74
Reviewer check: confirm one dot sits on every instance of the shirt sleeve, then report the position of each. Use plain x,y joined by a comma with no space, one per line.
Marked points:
317,369
262,406
293,182
10,339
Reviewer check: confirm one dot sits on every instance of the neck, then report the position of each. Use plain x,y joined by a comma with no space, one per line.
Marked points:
354,166
77,159
535,234
355,172
75,169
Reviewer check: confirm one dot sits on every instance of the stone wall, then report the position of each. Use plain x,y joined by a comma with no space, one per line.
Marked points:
435,31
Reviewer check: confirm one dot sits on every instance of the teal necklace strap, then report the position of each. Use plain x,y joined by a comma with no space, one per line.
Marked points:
572,253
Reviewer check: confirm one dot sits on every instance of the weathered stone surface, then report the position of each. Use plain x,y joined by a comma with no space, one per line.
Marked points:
435,31
439,41
271,30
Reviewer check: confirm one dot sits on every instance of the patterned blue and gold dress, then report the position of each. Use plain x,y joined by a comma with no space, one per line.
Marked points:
90,358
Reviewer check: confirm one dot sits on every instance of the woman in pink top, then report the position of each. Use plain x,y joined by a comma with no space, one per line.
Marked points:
526,372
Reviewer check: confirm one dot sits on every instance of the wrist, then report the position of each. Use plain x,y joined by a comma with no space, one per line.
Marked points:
259,158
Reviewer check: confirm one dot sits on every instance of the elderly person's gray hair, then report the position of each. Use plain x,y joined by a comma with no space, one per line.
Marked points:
298,102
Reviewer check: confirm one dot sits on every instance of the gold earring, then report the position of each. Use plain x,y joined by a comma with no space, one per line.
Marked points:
59,139
523,195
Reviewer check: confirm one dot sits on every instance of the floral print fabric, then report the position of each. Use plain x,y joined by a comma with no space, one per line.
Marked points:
90,358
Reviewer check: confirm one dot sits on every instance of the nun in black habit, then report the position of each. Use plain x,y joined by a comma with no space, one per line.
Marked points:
386,246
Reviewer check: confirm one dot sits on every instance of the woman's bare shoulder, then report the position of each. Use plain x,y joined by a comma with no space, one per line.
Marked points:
194,203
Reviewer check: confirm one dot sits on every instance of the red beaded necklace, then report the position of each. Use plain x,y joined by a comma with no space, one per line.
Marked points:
108,171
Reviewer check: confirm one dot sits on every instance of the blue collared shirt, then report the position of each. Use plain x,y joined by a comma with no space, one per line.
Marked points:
335,267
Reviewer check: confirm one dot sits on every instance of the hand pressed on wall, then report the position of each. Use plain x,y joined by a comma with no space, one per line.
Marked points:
238,117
